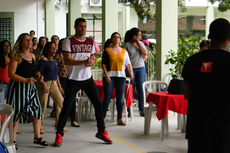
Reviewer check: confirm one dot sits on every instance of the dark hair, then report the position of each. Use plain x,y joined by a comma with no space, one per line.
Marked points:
205,43
40,39
59,52
53,37
60,45
107,43
46,48
34,38
127,36
79,20
144,37
32,31
130,33
112,35
219,31
2,56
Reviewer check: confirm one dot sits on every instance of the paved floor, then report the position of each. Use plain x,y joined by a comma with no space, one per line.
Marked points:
128,139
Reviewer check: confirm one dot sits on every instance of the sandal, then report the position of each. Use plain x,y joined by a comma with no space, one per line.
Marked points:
18,132
39,141
52,114
16,146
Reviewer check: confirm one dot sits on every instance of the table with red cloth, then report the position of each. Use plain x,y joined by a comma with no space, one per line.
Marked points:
129,98
166,102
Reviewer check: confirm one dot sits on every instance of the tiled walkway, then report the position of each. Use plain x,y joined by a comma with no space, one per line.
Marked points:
128,139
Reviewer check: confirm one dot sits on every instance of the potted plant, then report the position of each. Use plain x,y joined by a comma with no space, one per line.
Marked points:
186,48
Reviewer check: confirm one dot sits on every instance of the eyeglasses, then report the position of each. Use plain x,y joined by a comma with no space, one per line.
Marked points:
27,40
115,37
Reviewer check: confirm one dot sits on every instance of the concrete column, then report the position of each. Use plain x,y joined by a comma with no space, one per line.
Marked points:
189,24
125,19
74,13
209,19
166,33
127,13
109,18
40,20
49,18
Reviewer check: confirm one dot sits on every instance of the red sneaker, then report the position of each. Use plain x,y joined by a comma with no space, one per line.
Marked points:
104,136
58,140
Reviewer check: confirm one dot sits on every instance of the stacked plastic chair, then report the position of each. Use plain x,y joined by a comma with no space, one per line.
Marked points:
6,131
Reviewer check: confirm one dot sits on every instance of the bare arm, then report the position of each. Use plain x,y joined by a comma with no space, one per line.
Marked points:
91,61
142,49
12,72
145,57
70,61
108,80
59,86
130,70
186,90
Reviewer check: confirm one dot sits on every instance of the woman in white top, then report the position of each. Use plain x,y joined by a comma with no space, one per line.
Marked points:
114,62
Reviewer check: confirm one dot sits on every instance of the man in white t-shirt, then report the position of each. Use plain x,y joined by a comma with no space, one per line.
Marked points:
78,52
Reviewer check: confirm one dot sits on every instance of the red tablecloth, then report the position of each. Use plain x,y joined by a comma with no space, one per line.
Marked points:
165,102
129,98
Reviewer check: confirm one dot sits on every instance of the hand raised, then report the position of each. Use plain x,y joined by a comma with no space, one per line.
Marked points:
90,61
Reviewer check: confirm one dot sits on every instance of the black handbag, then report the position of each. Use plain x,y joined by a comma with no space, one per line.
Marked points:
175,86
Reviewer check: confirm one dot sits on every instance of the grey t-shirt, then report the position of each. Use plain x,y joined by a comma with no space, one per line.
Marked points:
135,55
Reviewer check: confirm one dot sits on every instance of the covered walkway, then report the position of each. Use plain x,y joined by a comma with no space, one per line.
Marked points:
128,139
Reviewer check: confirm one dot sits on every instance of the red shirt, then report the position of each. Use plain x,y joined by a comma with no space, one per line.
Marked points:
4,74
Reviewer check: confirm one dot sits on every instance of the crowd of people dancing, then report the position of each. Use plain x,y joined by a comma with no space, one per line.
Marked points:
37,69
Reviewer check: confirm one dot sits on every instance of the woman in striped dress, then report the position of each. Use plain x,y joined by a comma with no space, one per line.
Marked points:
22,92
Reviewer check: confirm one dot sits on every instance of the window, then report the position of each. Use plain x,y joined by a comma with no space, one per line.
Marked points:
6,29
94,26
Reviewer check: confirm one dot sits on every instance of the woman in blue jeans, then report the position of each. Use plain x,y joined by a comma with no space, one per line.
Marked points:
138,54
114,62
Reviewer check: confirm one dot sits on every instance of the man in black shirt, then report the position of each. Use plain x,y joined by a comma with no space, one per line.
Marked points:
207,88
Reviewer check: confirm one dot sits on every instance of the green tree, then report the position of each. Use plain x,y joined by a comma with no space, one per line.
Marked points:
143,7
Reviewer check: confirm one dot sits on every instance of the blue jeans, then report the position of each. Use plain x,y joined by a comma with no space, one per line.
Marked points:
4,92
119,84
63,82
139,75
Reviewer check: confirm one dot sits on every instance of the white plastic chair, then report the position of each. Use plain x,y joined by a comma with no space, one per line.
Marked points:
153,86
97,74
83,104
124,99
167,78
6,134
83,100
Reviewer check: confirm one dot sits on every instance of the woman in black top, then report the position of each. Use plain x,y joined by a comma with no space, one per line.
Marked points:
22,92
